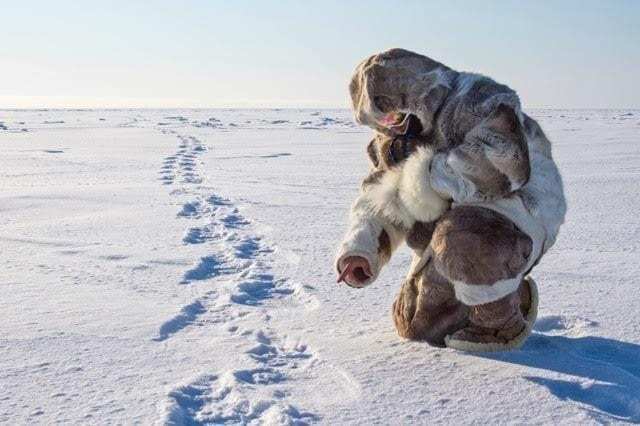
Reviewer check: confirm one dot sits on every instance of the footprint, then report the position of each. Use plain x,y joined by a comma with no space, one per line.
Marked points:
189,401
260,376
216,200
208,267
197,236
186,317
234,220
167,180
254,289
247,248
237,397
191,209
269,353
192,178
262,352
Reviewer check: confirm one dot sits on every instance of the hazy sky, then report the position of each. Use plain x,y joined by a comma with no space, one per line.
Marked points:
302,53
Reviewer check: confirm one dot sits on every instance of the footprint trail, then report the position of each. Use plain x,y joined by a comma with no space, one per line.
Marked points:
254,395
233,279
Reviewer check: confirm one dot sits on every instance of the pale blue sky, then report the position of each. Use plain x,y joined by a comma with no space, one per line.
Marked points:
297,53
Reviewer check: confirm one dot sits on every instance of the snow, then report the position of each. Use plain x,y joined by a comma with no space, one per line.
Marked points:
175,266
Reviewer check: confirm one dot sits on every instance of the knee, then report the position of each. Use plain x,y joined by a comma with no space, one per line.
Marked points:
476,245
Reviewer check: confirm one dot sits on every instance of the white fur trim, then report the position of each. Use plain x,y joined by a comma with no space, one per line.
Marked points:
543,194
516,342
415,191
382,199
362,237
373,263
361,240
473,294
404,194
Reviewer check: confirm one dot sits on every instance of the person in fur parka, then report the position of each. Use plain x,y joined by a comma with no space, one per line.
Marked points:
467,180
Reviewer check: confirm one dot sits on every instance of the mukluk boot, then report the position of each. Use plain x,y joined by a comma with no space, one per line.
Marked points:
500,325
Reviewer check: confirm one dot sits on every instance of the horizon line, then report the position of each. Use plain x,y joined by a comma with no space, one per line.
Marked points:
272,108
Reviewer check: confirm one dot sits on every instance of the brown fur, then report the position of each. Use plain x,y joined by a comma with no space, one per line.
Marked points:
384,246
387,152
497,314
372,152
479,246
419,236
375,83
495,322
509,152
474,245
524,293
426,308
493,155
373,178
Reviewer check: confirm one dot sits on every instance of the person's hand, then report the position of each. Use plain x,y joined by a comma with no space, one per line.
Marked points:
355,271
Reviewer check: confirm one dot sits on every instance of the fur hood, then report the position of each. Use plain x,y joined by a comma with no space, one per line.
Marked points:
399,80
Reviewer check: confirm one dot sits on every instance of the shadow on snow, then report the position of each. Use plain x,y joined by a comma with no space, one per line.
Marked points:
614,363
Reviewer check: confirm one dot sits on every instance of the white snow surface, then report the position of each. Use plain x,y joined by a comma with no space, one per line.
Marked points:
176,267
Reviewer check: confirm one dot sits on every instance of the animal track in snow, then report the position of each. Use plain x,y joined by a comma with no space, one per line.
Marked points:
198,235
183,164
234,262
207,267
268,353
255,395
187,316
259,376
233,269
191,209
